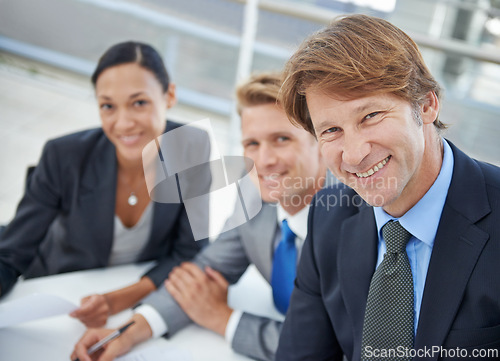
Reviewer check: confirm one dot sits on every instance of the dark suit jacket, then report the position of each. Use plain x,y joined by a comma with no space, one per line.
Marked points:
461,300
65,219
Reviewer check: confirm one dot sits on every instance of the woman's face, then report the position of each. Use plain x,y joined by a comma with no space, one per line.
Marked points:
132,106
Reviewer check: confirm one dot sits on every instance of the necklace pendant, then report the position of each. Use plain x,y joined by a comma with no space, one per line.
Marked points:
132,199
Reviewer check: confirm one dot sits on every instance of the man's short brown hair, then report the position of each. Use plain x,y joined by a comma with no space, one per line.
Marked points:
356,56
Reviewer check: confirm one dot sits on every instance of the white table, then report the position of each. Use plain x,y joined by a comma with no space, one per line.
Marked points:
53,338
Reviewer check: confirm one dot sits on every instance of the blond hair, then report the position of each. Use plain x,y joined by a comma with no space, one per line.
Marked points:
258,89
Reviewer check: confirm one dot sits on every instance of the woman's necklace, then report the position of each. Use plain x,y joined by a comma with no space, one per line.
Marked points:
132,198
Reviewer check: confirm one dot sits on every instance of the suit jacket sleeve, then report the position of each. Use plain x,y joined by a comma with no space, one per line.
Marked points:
257,337
225,255
184,248
39,206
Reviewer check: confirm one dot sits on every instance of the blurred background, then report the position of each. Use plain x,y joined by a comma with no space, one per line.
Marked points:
48,49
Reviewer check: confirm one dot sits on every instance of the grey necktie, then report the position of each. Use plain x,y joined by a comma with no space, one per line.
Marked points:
388,324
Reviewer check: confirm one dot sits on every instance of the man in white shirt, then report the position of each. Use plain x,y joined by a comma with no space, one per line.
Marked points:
290,171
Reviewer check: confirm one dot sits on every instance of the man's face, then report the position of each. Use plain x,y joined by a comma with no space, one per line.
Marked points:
374,145
287,158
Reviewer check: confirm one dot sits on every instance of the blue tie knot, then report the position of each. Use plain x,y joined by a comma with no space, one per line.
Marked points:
287,234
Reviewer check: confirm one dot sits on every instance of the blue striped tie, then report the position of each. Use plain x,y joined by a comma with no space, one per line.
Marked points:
284,265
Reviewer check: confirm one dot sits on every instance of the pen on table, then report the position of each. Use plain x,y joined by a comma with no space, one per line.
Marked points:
98,345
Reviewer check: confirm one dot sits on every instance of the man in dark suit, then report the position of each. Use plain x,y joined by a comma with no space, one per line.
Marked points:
400,263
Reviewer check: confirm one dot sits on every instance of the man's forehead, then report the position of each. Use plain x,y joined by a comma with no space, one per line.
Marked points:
266,122
266,133
356,103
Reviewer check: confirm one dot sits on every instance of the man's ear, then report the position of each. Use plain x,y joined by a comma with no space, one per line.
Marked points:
430,108
171,96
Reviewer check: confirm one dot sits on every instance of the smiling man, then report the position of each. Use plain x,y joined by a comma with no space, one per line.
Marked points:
406,271
290,171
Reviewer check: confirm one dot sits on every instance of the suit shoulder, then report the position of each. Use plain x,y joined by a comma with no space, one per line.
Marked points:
171,125
191,145
82,139
491,174
76,147
337,199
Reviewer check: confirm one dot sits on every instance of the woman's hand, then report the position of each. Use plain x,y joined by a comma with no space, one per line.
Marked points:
94,311
136,333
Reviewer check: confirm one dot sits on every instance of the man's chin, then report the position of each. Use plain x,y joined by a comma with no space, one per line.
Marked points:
375,199
269,197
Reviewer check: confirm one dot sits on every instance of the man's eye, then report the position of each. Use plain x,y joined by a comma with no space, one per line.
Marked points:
250,144
140,103
372,115
331,130
330,134
283,139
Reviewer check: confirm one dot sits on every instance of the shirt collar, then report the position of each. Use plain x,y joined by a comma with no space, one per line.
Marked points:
422,220
297,222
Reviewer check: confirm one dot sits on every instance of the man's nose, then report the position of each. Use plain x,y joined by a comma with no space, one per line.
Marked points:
267,155
355,148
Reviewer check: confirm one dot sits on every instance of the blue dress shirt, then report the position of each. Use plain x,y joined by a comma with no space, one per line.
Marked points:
422,221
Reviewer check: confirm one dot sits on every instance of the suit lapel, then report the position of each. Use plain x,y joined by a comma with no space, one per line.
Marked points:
164,215
258,238
357,259
457,247
268,226
456,250
97,198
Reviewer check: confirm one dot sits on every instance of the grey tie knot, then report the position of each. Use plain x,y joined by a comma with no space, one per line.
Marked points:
396,236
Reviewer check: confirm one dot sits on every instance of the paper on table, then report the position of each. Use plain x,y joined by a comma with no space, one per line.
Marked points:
33,307
155,353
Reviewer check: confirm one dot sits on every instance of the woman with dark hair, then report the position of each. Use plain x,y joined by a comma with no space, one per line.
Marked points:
87,204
